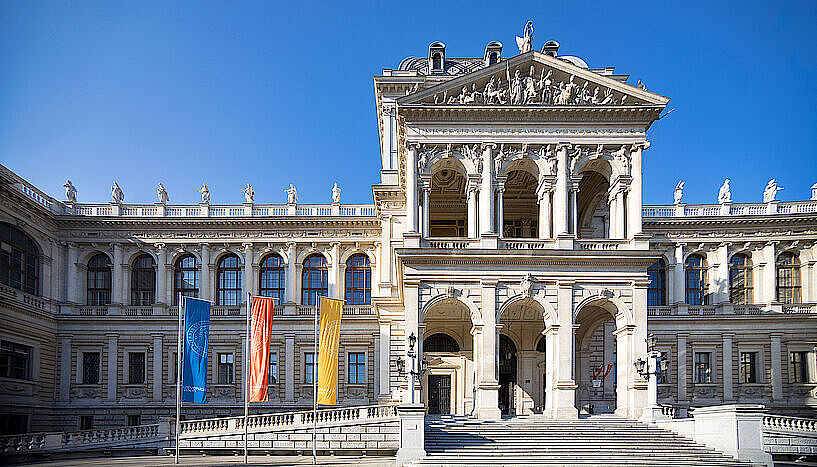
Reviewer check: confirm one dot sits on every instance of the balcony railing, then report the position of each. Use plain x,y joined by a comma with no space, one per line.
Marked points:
729,209
205,210
348,310
730,309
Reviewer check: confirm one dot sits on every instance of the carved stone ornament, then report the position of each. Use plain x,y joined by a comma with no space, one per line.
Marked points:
452,292
527,285
134,393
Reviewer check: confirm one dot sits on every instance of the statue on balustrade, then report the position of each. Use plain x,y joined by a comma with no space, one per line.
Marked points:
70,192
725,194
117,195
161,192
679,192
205,194
336,194
249,194
771,190
292,194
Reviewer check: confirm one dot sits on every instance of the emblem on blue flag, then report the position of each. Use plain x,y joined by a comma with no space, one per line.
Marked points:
196,335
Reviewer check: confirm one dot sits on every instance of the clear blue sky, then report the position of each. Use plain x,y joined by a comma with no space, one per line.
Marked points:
274,93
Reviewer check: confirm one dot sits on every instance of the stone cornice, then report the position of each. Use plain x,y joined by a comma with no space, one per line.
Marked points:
632,114
471,257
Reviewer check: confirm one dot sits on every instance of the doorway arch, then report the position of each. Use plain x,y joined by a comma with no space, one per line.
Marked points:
507,375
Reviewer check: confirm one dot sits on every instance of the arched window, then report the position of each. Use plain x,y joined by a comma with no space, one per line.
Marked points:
657,291
314,279
99,280
740,279
788,278
358,280
697,287
186,277
19,260
440,342
228,281
143,281
272,277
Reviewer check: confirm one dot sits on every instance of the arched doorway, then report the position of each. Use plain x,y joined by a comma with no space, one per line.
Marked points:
595,362
507,375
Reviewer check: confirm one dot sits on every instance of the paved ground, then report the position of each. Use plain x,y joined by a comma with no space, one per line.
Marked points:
167,461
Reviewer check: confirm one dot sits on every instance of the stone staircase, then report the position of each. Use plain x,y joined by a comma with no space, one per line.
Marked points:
535,440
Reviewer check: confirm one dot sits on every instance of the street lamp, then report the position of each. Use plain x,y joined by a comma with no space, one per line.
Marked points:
640,365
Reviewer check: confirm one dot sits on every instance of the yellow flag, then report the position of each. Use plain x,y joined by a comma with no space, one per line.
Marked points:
331,310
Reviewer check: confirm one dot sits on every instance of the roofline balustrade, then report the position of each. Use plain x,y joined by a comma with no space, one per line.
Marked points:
730,209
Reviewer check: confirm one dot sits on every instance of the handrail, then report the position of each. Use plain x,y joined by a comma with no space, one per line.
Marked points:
221,210
59,441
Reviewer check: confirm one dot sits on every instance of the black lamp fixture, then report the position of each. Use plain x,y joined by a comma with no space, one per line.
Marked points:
640,367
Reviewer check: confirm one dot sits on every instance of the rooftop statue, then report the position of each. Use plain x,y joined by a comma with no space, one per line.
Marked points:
161,192
70,192
117,195
292,194
770,192
814,192
725,194
336,194
205,194
249,194
679,192
525,42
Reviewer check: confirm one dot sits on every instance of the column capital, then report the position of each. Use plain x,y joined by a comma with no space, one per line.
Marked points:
489,282
643,146
160,246
487,145
564,145
413,145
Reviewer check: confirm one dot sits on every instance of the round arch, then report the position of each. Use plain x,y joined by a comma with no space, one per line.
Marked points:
302,256
137,253
473,311
549,316
612,305
344,257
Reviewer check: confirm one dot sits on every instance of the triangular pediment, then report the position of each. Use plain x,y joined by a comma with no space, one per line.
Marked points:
533,79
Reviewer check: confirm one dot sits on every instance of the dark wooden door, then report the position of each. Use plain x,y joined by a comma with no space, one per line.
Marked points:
439,394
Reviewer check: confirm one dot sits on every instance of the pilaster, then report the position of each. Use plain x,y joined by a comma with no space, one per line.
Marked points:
289,380
411,187
776,356
486,192
681,352
634,199
113,365
204,277
385,359
489,386
157,367
728,387
116,292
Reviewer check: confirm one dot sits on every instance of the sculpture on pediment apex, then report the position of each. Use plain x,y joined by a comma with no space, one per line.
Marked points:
70,192
249,194
205,194
679,192
725,194
117,195
335,194
161,193
770,192
525,43
641,86
292,194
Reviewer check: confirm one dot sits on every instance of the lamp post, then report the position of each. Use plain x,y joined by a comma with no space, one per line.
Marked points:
414,371
651,367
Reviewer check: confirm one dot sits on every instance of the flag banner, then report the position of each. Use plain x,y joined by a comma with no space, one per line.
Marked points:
196,335
331,310
261,327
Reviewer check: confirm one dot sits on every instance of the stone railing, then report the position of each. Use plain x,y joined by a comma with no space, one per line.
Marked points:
207,210
601,245
730,309
454,243
290,420
133,436
729,209
348,310
24,298
527,244
784,423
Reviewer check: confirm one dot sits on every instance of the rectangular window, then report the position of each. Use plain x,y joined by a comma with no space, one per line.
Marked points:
15,360
662,375
225,368
13,424
748,367
703,367
136,368
90,367
134,420
273,368
357,368
309,367
799,367
86,422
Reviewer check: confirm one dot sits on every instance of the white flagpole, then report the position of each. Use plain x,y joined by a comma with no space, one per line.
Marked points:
179,379
315,385
247,376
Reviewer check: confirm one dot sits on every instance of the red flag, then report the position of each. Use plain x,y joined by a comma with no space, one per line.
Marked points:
259,347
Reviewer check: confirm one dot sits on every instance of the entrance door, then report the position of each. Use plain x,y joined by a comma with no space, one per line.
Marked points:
439,394
507,375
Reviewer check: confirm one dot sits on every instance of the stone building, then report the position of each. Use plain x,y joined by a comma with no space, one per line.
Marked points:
507,234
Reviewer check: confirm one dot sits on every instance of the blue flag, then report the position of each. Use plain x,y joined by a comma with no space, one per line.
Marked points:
196,335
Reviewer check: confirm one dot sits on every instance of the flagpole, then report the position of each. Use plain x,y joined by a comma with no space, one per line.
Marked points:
315,385
178,379
247,378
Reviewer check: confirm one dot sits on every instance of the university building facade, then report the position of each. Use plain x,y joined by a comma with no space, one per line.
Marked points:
507,243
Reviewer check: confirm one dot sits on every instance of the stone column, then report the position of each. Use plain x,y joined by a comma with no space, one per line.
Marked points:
560,210
777,370
387,113
728,393
472,211
385,360
291,279
161,275
544,215
486,191
678,279
500,221
620,209
574,209
612,200
411,187
116,285
634,199
71,274
334,280
564,386
204,277
157,367
476,343
65,369
682,367
488,385
113,365
248,279
289,355
426,205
